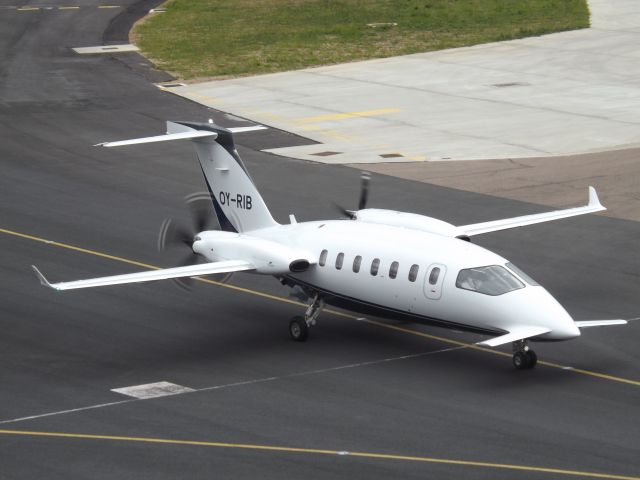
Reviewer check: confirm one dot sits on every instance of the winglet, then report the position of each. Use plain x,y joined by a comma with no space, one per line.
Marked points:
594,201
43,281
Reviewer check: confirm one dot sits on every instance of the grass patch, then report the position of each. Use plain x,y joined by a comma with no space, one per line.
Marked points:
219,38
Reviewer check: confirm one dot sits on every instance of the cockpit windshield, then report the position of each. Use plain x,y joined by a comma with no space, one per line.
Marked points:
522,275
491,280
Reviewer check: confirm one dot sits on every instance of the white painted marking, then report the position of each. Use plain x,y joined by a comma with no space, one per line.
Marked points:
237,384
343,453
61,412
127,47
153,390
567,368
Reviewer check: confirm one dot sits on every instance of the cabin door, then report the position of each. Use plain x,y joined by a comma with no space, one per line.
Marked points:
433,281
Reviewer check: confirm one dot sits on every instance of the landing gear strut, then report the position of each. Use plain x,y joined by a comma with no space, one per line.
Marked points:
299,326
523,357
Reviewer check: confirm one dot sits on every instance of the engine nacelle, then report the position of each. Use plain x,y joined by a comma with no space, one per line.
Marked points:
407,220
270,258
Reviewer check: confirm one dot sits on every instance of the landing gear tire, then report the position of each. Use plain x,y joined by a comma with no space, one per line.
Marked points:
298,329
525,360
521,360
532,358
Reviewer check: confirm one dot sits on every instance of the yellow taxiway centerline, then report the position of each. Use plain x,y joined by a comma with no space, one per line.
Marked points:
333,312
274,448
342,116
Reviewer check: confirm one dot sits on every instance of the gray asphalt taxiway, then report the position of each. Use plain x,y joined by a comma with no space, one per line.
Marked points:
364,398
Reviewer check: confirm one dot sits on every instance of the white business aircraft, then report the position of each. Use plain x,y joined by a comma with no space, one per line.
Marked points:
381,262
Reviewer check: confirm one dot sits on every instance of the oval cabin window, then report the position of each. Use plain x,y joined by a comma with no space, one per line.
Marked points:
433,277
323,258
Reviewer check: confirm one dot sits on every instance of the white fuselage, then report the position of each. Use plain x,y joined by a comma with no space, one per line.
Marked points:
421,293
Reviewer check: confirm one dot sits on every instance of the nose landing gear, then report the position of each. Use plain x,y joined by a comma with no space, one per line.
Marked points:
299,326
523,357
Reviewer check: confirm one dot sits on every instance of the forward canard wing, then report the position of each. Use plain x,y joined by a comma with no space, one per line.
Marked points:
149,276
599,323
515,334
593,206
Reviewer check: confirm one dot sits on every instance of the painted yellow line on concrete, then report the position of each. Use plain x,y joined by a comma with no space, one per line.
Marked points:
143,265
77,249
274,448
333,312
27,9
342,116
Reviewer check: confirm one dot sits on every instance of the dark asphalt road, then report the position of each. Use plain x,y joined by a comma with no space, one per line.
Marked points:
355,386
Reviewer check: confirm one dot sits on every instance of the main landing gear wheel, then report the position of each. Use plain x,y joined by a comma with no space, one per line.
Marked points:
523,358
299,326
298,329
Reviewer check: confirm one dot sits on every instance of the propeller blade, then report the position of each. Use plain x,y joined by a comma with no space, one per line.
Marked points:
185,283
171,234
350,214
365,179
221,277
200,206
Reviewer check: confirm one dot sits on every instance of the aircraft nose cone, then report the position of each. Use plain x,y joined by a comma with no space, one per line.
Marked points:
562,325
567,330
549,313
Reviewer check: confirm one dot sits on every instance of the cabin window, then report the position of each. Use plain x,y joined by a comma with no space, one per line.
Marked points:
433,277
323,258
393,270
413,272
491,280
374,266
339,261
356,263
522,275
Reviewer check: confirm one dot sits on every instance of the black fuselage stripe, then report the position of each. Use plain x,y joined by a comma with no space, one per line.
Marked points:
363,306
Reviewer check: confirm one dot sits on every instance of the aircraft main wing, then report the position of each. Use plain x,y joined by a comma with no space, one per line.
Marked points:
148,276
594,205
517,333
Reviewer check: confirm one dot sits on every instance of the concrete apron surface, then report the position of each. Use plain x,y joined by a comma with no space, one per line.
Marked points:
556,95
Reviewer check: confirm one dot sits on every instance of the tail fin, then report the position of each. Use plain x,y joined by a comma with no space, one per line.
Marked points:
236,200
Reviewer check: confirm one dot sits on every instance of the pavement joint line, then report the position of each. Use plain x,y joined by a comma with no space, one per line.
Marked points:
330,311
241,383
318,451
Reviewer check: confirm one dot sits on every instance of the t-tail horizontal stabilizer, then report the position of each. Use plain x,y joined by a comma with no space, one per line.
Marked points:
176,131
160,138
